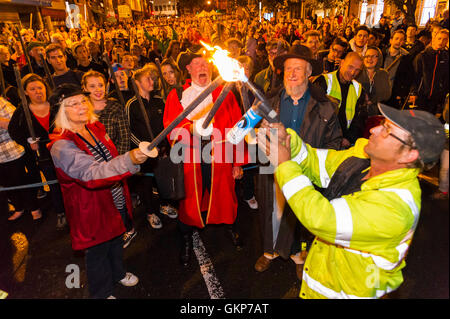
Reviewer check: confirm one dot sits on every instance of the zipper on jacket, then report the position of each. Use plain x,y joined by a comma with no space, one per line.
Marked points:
434,73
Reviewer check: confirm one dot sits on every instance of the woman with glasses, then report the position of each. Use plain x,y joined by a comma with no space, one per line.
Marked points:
375,82
37,156
331,59
93,180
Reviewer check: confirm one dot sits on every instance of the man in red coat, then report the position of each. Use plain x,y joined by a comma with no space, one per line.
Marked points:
209,167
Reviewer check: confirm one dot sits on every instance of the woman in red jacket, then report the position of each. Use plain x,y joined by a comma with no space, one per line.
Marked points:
93,181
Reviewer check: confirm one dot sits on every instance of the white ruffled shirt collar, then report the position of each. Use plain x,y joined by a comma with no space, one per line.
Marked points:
200,112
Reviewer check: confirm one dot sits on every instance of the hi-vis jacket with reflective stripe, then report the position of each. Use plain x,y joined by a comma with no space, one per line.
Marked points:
354,92
361,238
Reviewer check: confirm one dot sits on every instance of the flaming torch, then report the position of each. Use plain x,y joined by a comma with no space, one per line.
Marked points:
230,71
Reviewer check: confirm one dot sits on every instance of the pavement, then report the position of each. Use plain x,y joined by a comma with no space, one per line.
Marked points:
50,269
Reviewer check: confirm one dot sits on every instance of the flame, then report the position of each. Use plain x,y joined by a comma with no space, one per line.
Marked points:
230,69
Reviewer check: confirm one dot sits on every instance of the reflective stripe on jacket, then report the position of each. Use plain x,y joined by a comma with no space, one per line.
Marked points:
354,92
361,238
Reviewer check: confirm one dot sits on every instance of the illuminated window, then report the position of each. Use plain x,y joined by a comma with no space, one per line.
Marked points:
378,11
428,11
362,16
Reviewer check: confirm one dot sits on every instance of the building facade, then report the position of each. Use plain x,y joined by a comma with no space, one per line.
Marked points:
164,7
370,11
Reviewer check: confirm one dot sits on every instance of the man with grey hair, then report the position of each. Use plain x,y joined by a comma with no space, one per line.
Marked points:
304,108
6,64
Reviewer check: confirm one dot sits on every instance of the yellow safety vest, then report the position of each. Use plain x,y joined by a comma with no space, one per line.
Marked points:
362,238
334,90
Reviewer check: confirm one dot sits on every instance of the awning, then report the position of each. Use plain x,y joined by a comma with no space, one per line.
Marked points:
9,17
54,13
37,3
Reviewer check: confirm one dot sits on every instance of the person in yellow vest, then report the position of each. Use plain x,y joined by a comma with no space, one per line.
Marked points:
365,219
341,85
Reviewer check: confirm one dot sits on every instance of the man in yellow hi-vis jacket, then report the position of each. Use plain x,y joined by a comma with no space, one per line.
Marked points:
365,221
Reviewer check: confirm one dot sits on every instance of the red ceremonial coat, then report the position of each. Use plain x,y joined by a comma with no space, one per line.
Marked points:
220,202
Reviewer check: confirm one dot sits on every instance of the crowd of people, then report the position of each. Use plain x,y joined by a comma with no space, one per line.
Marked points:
77,103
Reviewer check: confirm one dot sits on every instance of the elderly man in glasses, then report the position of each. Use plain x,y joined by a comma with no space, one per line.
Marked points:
365,218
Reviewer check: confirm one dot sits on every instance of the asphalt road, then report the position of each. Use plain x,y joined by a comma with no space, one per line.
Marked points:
219,272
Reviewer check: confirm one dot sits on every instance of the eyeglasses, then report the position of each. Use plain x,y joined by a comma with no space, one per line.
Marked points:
339,52
387,131
78,104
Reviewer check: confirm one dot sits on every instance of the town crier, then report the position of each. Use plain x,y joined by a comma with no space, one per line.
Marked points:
211,164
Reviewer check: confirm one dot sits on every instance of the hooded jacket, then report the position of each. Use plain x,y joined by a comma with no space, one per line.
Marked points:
85,184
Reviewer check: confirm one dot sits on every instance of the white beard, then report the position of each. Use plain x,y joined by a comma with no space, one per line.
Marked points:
189,95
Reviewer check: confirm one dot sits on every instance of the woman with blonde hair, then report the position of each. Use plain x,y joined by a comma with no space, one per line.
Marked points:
93,177
110,112
154,109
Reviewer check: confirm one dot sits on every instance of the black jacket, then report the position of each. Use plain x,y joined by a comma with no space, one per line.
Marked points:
320,128
154,111
431,81
19,132
358,123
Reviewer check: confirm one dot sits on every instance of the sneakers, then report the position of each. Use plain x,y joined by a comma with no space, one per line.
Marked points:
128,237
438,195
169,211
136,201
252,203
15,215
37,214
61,221
41,193
129,280
154,221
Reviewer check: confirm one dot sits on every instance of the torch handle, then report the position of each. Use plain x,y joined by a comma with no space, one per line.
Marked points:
113,76
244,97
207,91
47,72
268,113
27,57
226,89
25,105
142,107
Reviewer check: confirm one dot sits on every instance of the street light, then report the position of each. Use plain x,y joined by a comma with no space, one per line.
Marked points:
209,2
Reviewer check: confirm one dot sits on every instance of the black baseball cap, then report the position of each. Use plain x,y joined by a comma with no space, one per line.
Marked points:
426,130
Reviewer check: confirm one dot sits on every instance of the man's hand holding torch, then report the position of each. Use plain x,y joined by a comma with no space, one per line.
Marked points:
275,142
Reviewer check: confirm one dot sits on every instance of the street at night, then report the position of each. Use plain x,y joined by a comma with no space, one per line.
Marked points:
153,257
271,151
